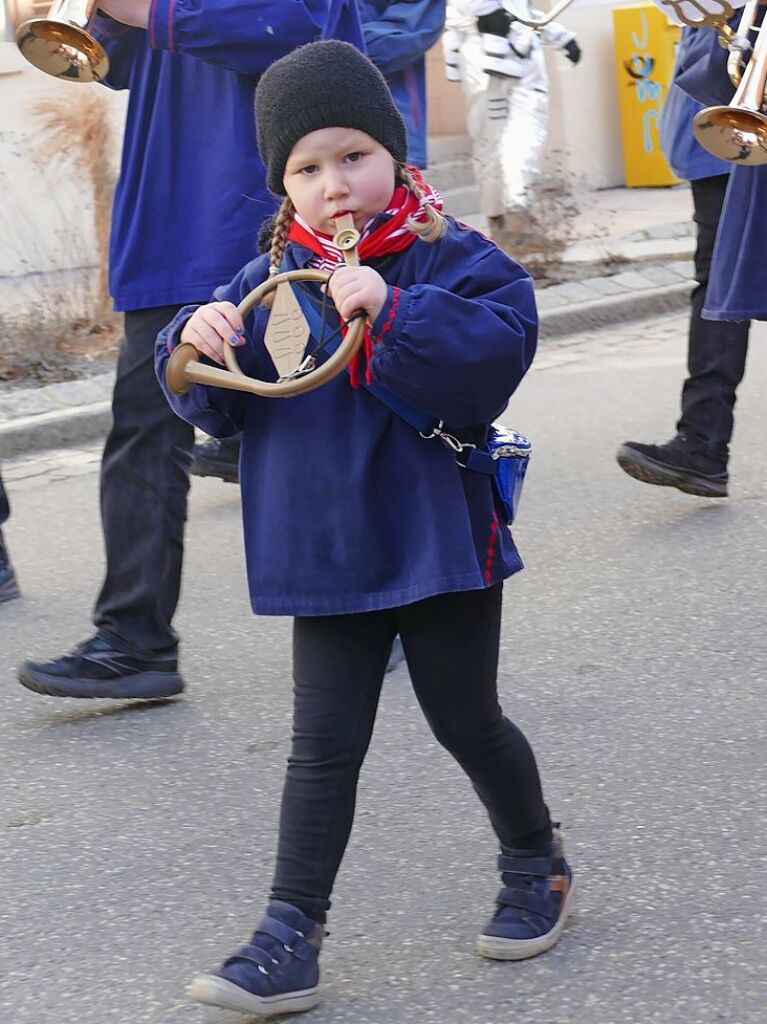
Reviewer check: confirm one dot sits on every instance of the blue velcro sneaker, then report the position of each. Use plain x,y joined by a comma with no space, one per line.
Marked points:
277,972
532,907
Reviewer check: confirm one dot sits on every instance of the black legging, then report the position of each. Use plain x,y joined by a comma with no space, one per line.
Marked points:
451,643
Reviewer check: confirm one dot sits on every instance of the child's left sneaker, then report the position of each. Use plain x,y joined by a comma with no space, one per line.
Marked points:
533,905
277,972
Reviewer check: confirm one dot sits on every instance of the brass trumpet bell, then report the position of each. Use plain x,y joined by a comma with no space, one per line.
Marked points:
60,44
737,132
733,133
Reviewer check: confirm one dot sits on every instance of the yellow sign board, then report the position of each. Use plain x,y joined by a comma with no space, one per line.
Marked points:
645,43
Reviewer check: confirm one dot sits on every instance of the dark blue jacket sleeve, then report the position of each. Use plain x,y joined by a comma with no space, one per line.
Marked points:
398,34
458,346
120,42
220,412
701,65
248,37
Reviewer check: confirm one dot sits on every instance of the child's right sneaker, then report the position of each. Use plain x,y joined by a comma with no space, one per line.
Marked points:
277,972
533,905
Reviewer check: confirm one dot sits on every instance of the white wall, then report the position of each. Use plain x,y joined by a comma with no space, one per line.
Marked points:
585,122
45,211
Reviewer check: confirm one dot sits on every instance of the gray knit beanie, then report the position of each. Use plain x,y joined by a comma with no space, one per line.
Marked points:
327,84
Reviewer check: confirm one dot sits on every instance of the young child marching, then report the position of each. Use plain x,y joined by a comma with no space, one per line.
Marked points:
358,526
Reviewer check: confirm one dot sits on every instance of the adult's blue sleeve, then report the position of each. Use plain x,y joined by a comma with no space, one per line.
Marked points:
701,66
402,32
458,346
685,155
737,285
248,37
120,43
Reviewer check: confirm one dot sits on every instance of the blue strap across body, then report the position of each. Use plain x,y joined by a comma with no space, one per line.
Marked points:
504,457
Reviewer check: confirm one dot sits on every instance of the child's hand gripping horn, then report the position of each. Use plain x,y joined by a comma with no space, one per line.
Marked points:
286,336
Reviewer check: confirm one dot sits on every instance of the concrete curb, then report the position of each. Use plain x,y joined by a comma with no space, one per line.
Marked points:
91,422
612,309
55,429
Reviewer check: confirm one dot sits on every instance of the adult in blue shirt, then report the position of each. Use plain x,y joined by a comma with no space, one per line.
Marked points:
737,288
398,34
695,460
189,165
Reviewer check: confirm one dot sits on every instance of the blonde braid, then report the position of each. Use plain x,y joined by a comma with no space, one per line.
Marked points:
435,225
282,223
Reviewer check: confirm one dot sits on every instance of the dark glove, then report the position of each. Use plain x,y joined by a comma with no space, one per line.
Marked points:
497,23
572,51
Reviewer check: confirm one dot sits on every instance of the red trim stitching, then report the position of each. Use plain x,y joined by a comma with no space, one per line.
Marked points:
171,8
490,557
390,317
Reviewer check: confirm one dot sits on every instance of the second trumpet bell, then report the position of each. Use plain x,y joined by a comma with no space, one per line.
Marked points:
738,132
733,133
60,45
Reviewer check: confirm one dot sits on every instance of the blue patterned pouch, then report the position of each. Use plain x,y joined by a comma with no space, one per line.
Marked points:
510,451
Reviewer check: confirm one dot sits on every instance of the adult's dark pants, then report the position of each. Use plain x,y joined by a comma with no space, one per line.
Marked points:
144,486
451,644
716,355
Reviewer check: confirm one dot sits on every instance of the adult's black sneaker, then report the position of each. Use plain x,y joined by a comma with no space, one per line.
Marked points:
96,669
219,458
675,464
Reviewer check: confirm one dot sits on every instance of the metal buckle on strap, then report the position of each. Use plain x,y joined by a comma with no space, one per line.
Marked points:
452,442
306,366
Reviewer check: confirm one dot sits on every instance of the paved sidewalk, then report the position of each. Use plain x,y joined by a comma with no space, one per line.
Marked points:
631,257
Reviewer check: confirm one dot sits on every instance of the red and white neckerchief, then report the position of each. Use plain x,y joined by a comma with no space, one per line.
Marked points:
383,234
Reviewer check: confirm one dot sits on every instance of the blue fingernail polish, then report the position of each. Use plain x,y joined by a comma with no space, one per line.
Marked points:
234,340
240,330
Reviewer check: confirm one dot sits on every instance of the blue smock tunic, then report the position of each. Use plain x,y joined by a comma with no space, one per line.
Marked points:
346,508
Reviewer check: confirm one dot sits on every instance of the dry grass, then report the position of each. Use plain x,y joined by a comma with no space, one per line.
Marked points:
50,318
76,134
550,226
540,236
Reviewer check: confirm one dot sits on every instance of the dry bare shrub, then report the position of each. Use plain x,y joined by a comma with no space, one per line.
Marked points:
549,225
540,236
77,134
50,317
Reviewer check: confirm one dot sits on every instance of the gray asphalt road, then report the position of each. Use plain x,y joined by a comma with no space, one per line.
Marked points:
136,842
